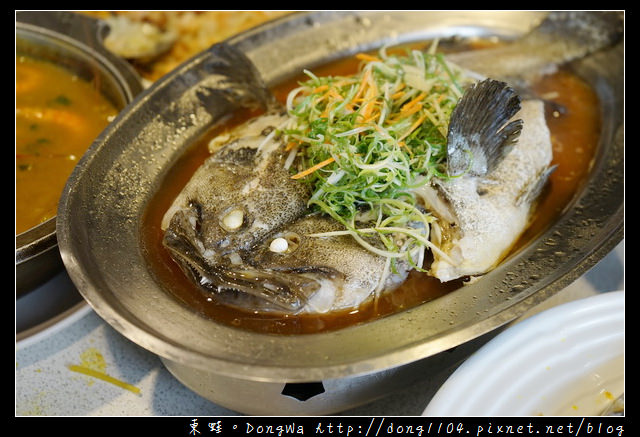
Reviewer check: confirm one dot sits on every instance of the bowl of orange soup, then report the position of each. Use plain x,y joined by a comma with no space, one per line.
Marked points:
68,89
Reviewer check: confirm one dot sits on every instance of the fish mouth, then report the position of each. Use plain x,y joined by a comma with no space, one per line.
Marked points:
239,285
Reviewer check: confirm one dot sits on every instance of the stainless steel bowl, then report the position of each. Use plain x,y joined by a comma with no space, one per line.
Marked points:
72,41
103,204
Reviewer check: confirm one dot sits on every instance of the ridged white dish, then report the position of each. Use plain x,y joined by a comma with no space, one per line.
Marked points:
565,361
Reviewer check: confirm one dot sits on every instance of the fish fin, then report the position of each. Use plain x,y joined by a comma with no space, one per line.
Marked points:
535,189
479,136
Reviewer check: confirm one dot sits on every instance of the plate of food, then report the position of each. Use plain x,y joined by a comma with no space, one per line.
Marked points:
335,194
564,361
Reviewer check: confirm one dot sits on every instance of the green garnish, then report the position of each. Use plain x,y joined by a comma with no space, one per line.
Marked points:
364,142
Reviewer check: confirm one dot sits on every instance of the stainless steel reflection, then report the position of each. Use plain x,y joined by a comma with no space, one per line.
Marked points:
73,42
106,197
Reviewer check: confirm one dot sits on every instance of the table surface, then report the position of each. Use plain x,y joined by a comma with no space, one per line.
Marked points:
47,385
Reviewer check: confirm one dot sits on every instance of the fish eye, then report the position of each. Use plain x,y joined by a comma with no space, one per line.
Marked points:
232,219
285,243
279,245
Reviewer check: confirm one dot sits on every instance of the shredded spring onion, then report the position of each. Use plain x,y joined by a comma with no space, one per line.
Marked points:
365,141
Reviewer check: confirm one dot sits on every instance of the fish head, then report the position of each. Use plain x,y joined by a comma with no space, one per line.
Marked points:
239,194
228,224
292,270
229,277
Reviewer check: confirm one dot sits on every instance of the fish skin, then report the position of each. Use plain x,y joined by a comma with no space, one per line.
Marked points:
482,216
348,273
561,37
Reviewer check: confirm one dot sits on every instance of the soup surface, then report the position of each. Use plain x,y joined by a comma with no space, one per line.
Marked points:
574,124
58,115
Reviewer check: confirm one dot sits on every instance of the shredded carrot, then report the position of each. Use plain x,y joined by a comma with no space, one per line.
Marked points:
290,145
321,98
363,84
408,111
370,95
336,95
320,88
413,127
366,110
368,58
312,169
403,144
372,116
415,101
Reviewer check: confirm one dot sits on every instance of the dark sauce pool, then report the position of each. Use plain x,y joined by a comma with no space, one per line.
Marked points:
574,134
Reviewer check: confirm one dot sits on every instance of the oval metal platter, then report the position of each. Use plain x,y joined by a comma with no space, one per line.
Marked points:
102,208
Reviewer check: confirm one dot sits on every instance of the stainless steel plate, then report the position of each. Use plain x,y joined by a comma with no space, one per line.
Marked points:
101,212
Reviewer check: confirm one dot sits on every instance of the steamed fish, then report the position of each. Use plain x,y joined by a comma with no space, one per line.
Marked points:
240,228
329,201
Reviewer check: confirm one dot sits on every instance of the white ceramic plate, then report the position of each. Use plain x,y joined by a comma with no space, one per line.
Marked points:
565,361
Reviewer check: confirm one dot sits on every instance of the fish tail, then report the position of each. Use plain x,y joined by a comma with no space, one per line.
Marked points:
561,37
591,30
